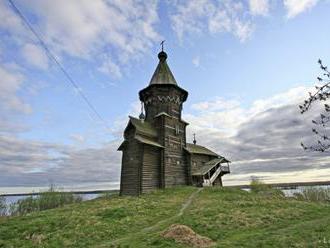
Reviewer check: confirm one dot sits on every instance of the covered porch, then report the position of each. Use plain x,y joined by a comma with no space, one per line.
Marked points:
210,173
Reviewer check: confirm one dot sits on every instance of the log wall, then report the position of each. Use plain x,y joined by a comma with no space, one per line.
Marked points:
175,162
197,160
131,166
150,177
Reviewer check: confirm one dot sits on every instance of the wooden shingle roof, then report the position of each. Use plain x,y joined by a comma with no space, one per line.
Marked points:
143,127
206,167
162,77
148,141
162,74
144,133
197,149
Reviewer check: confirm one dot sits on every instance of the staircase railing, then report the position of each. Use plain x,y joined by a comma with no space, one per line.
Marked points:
222,168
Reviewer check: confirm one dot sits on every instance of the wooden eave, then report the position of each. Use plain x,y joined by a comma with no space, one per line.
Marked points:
148,141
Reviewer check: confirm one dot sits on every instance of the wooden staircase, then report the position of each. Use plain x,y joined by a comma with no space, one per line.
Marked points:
214,176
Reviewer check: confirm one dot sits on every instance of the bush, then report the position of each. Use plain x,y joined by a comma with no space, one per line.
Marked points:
314,194
46,200
259,187
3,206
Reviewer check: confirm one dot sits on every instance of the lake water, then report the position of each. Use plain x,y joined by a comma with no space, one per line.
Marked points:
290,192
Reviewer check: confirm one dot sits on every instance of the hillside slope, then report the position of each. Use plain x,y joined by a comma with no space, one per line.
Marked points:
229,217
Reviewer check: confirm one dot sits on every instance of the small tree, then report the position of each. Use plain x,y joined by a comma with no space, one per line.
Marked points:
322,94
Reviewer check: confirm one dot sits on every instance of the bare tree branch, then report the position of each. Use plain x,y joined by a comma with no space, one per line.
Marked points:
322,94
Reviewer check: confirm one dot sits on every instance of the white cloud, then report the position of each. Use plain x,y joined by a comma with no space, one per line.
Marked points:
10,84
294,95
262,139
259,7
88,30
197,16
243,30
110,68
218,103
35,56
77,138
196,61
9,19
85,28
27,162
296,7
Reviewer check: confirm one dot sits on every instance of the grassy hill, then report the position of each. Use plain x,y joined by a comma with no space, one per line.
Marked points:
229,217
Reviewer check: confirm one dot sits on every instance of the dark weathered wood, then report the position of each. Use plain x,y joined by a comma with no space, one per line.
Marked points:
131,163
159,160
151,169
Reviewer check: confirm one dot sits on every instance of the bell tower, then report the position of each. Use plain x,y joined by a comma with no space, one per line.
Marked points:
163,93
163,100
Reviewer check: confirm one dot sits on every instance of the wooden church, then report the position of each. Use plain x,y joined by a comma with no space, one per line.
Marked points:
155,152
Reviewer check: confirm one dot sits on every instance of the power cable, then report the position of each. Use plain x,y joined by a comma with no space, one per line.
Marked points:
53,57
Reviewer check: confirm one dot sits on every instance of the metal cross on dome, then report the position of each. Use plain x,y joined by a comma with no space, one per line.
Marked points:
162,44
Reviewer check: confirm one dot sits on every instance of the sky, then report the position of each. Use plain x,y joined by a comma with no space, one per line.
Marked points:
247,65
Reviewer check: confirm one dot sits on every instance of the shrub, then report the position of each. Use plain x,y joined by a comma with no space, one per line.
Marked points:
3,206
314,194
46,200
259,187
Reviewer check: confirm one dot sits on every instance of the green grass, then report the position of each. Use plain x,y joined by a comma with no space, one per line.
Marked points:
230,217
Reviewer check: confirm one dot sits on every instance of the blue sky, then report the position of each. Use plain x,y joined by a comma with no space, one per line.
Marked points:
246,65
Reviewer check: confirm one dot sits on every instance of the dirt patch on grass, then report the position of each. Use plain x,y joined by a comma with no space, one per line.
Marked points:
185,235
36,238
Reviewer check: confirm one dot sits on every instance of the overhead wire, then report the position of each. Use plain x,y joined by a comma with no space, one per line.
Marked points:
62,69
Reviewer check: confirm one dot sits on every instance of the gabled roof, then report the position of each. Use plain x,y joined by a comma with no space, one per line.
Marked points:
142,127
144,133
197,149
162,74
202,170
